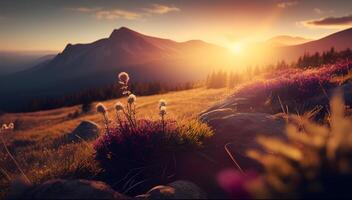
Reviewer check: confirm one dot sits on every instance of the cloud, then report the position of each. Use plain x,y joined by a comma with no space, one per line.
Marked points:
318,11
161,9
117,14
84,9
286,4
113,14
330,22
108,14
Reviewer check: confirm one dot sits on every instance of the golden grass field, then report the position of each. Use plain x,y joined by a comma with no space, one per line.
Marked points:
35,145
180,105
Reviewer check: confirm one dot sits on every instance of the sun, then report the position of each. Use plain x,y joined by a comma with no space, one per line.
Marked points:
236,48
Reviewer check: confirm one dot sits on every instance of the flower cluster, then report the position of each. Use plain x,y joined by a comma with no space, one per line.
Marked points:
296,85
9,126
127,113
144,151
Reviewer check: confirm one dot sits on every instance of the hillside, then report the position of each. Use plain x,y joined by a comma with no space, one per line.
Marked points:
83,66
181,105
38,140
286,40
11,62
340,41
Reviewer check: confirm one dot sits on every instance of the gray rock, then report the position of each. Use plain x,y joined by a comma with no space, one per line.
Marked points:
213,114
68,189
175,190
241,129
86,130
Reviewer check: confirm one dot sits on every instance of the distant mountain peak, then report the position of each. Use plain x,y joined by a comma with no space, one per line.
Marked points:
123,31
287,40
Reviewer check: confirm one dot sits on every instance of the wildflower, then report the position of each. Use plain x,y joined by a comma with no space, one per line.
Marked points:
101,108
123,78
119,106
162,110
131,98
235,183
162,102
4,127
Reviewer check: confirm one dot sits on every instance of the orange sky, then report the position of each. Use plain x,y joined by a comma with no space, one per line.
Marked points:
50,25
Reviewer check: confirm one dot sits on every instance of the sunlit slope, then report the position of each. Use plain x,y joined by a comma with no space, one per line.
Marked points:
181,105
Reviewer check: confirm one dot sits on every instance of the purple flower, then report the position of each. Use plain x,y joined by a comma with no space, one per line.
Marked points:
234,183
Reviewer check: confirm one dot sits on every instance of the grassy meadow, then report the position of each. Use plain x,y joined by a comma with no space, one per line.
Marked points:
40,151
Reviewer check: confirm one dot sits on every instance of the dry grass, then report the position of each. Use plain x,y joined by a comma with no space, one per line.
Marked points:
181,105
41,157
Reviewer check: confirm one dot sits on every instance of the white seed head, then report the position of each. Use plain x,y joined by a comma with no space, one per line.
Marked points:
162,110
101,108
11,126
119,106
123,78
131,98
162,102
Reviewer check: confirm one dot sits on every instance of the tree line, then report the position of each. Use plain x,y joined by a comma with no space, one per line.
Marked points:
85,97
221,79
327,57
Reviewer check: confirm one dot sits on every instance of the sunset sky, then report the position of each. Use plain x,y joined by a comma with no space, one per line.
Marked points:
51,24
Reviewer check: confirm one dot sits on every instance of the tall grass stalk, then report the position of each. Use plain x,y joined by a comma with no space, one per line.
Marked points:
12,157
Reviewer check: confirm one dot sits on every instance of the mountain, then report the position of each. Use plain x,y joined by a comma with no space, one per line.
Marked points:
83,66
11,62
340,41
286,40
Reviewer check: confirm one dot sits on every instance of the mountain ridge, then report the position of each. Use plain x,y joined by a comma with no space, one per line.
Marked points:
340,40
95,64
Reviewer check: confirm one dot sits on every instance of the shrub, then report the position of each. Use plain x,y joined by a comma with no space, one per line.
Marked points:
139,153
148,151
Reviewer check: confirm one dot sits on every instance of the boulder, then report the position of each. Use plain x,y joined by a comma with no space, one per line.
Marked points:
86,130
238,132
241,129
68,189
175,190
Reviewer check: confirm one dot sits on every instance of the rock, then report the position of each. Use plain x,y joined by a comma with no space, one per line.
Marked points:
213,114
69,189
175,190
86,130
241,129
238,131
